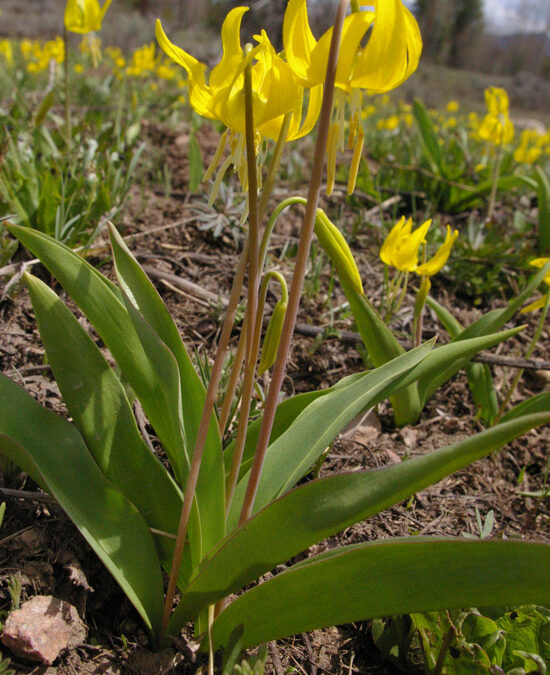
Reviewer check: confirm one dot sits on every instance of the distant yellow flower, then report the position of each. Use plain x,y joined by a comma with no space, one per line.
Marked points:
143,61
84,16
401,249
6,51
496,126
539,304
528,150
453,106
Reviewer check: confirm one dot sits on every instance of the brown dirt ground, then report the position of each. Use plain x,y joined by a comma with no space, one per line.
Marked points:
166,232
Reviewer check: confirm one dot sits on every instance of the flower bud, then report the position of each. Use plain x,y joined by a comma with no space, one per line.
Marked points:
272,337
336,247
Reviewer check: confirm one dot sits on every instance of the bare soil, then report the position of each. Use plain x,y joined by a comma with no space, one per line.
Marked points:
170,233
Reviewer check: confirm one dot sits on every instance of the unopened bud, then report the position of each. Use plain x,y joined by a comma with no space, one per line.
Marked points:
337,249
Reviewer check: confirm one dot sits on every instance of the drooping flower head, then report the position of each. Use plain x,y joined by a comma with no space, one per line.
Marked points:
401,249
276,90
84,16
379,50
496,126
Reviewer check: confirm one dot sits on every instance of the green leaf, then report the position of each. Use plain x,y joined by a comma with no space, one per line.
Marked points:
387,578
535,404
151,370
382,346
52,451
543,198
287,411
153,322
527,633
196,168
291,456
319,509
98,404
429,137
480,380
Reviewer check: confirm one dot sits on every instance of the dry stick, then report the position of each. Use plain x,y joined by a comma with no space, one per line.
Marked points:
253,287
299,270
200,442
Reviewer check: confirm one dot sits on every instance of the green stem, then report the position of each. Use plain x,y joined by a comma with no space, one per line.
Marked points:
302,257
274,166
67,99
496,173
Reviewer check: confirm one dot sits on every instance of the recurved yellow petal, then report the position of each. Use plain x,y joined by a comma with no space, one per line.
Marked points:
437,262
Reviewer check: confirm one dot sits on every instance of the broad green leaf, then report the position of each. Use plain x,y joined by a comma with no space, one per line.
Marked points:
429,137
148,304
535,404
52,451
454,356
100,409
386,578
151,371
527,632
382,346
480,380
319,509
291,456
102,304
287,411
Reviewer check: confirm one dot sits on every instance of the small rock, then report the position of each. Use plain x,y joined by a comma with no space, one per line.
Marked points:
42,628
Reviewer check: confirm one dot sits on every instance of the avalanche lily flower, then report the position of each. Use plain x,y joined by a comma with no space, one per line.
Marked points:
275,88
276,92
401,248
84,16
388,58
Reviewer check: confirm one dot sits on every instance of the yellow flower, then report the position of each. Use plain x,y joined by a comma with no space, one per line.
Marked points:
496,126
453,106
6,51
390,55
84,16
276,91
528,151
539,304
401,248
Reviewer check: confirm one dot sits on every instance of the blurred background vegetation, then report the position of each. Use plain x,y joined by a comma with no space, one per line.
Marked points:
457,34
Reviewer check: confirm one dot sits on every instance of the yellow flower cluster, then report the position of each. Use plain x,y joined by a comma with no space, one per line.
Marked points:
496,127
38,54
6,51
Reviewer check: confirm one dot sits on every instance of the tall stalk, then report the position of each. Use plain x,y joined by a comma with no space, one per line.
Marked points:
302,257
66,83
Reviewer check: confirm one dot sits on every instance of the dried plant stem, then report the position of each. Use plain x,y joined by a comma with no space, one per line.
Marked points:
299,270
